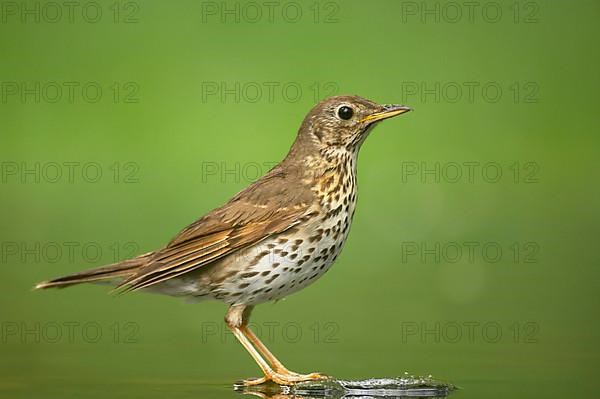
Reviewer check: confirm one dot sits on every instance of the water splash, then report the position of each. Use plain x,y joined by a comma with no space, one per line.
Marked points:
406,386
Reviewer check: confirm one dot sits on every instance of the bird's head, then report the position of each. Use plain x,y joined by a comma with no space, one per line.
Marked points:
345,121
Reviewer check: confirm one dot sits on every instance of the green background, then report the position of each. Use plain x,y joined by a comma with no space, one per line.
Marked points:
164,143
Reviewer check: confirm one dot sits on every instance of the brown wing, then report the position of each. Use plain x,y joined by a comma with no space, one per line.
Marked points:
263,209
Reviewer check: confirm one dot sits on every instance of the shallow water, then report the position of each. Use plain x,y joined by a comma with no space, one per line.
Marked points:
95,372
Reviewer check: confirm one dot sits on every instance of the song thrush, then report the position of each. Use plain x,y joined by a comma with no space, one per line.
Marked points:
273,238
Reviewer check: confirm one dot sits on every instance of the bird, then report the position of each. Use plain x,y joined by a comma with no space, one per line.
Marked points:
275,237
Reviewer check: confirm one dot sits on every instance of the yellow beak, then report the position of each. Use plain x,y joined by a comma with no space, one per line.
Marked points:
389,111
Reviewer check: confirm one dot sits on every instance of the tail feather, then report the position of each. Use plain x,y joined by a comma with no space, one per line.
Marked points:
109,272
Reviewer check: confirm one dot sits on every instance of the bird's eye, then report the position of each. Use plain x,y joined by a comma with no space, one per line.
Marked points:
345,112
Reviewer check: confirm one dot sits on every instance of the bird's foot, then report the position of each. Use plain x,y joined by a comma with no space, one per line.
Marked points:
286,377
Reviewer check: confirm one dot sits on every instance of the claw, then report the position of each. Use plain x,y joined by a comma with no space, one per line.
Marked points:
285,378
255,381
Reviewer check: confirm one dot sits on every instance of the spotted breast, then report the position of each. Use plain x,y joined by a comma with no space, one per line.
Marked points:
293,259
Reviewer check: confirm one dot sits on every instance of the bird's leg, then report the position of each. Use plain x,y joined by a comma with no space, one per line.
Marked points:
234,320
277,365
237,321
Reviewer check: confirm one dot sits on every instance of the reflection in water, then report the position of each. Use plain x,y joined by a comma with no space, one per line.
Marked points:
400,387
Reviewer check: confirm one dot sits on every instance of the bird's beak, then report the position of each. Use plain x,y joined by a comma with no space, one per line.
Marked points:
389,111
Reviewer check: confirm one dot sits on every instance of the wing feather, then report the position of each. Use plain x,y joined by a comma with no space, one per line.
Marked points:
263,209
